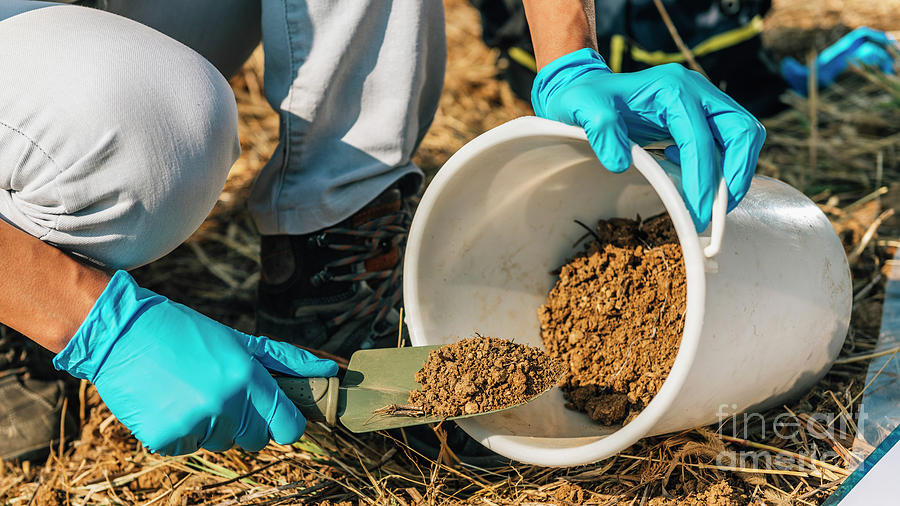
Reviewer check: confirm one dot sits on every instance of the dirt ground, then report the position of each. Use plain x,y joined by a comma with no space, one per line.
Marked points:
616,315
481,374
842,150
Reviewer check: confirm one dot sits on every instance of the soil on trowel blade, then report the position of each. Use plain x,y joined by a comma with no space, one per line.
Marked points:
482,374
615,317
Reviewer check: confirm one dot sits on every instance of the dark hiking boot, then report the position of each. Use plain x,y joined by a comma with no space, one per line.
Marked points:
339,289
31,399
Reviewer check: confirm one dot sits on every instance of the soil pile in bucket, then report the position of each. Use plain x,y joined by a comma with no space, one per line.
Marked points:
615,317
482,374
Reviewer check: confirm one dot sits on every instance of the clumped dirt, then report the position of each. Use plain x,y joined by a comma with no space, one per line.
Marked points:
720,493
481,374
615,317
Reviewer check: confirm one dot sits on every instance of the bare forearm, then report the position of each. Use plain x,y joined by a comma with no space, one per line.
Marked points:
559,27
44,293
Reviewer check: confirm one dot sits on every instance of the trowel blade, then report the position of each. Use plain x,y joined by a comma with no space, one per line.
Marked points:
384,377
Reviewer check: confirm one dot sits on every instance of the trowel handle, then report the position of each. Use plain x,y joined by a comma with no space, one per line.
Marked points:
316,398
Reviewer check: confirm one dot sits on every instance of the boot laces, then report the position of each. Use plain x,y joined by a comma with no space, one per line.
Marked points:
369,240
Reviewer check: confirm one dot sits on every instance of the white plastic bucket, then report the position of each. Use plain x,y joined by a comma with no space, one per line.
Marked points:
765,318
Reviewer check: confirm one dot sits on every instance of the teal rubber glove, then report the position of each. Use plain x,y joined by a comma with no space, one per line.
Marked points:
181,381
714,135
861,46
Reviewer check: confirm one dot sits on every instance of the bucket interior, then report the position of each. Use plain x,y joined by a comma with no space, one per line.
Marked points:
501,223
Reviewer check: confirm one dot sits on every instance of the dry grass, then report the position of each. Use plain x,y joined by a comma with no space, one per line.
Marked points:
856,149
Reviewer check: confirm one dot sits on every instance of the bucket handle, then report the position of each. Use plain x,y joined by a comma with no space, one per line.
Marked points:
719,208
713,243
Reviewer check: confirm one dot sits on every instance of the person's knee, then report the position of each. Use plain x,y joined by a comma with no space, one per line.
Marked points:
178,145
138,132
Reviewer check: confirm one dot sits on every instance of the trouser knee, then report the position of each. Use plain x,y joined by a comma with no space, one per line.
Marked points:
116,143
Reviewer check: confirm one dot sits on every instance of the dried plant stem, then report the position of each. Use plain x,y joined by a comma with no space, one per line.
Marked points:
870,232
685,51
400,330
809,460
864,291
400,410
866,199
752,470
844,413
813,92
874,377
867,356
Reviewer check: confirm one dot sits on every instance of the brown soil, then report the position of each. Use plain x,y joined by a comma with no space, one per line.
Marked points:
716,494
482,374
615,317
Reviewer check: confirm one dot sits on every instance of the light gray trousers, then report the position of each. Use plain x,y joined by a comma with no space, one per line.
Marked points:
116,138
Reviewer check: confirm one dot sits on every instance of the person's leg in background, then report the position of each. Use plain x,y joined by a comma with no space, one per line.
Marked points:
115,142
356,84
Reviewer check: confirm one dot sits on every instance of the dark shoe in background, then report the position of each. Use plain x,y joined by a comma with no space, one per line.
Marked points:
31,399
339,289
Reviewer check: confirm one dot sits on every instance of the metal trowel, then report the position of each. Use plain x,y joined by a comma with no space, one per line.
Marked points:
375,379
